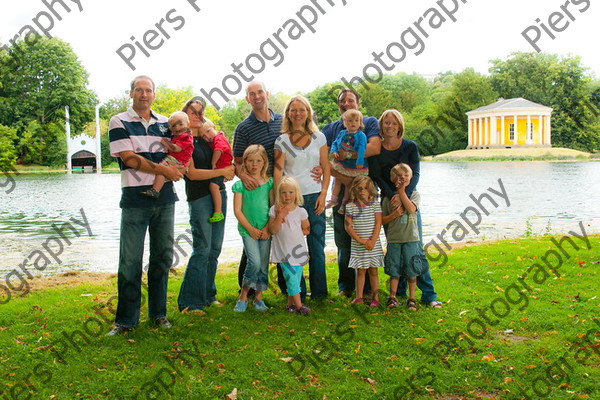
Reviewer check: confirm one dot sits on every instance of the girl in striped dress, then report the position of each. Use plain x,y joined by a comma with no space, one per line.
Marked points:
363,223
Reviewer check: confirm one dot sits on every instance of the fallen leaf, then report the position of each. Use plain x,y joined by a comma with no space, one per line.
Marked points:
509,331
287,359
357,350
232,395
488,357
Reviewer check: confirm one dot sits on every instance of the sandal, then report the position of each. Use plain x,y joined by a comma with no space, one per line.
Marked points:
357,301
374,303
332,202
392,302
411,304
216,217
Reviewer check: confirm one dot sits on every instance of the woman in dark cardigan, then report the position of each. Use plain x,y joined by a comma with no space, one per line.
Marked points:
198,288
394,150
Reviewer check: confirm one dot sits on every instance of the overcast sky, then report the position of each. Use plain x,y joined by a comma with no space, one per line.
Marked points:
203,44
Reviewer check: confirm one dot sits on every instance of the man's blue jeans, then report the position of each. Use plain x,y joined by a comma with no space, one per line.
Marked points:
158,221
198,288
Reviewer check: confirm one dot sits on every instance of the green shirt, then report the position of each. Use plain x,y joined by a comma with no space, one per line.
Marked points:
255,205
402,229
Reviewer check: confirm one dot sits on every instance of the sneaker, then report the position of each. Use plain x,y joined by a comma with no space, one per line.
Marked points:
216,217
240,306
291,309
118,330
304,310
260,306
151,193
162,322
357,301
375,303
435,304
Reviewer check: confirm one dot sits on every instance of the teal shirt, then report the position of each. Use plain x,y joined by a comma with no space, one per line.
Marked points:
255,205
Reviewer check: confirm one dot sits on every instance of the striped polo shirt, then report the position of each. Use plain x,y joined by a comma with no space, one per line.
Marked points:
129,132
254,131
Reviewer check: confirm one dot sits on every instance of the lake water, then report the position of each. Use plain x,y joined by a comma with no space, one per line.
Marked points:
553,196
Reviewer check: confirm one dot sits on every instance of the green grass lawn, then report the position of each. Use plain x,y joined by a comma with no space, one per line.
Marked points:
534,335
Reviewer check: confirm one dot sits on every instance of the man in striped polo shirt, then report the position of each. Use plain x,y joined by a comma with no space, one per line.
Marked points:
135,137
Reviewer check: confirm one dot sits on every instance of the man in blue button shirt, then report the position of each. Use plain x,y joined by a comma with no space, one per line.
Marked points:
348,99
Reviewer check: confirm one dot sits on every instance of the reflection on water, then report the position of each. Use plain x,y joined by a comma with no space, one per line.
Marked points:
552,195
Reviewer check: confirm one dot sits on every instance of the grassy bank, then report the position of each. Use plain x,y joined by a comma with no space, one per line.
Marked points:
54,343
516,154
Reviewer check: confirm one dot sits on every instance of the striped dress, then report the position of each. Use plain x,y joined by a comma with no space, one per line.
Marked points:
363,222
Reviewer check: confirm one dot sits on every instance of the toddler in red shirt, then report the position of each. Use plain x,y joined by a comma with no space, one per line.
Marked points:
180,149
221,158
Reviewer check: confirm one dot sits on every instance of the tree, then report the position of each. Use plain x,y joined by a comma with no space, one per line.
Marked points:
169,100
232,114
43,144
8,151
323,100
114,106
560,83
38,79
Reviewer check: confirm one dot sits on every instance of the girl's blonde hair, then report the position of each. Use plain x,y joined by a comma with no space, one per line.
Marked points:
256,149
369,185
398,169
397,116
289,180
309,125
353,113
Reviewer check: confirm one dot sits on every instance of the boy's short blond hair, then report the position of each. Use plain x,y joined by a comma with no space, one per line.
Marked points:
179,115
400,168
208,124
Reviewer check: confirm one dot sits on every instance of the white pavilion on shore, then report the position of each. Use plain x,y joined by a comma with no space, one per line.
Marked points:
510,123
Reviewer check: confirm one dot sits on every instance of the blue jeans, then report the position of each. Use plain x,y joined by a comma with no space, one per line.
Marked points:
316,248
198,288
424,281
158,221
256,275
